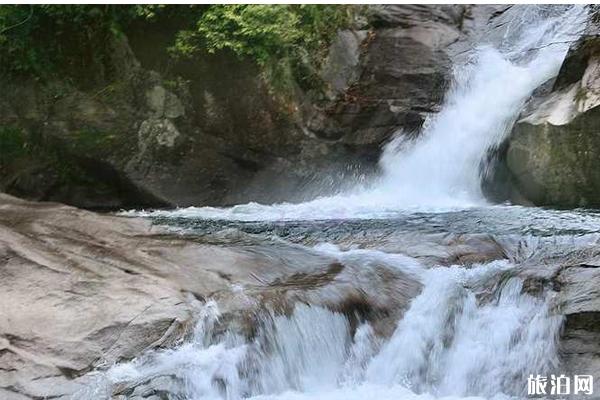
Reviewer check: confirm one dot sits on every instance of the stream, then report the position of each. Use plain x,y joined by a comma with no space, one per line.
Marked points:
474,327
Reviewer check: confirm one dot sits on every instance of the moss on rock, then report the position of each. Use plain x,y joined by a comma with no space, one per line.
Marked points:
558,164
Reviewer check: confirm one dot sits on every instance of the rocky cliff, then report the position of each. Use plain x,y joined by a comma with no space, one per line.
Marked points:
552,151
146,130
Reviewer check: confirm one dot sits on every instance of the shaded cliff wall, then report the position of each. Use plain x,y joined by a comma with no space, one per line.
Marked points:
552,153
153,131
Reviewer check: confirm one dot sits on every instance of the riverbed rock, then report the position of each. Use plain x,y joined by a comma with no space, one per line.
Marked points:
552,151
65,310
579,302
82,291
572,275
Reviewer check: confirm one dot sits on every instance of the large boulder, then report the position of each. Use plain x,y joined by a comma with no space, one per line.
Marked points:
402,73
81,291
552,152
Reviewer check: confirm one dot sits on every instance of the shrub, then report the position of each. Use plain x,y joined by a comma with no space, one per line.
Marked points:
35,39
287,41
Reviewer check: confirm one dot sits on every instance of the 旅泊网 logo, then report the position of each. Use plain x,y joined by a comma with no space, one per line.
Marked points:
557,385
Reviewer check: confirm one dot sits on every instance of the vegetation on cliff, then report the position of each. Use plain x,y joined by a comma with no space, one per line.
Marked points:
41,39
286,41
86,87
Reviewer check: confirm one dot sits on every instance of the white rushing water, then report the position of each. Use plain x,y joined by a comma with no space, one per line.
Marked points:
441,169
471,332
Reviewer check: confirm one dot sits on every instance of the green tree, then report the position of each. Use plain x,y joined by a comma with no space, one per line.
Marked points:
35,38
287,41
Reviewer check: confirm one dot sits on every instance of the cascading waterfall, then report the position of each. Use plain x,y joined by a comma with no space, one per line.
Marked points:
470,332
449,344
442,168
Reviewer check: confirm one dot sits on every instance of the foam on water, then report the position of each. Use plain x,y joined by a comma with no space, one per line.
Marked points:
469,333
441,170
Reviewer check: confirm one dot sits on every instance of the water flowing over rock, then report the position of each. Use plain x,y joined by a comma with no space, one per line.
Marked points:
552,148
205,315
82,291
409,285
121,142
436,346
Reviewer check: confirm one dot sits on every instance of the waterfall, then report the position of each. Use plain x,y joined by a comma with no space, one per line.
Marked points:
449,344
471,332
441,169
444,165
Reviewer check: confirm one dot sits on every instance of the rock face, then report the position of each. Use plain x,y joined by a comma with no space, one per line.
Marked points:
81,291
577,281
65,310
580,304
402,75
573,274
552,152
210,131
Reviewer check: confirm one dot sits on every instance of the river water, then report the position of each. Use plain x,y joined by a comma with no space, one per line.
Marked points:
473,330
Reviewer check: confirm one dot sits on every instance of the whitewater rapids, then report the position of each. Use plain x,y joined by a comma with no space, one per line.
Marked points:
473,332
470,332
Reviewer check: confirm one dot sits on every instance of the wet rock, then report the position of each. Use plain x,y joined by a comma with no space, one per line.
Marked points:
164,103
219,131
579,290
81,291
578,299
550,155
448,249
159,388
404,71
342,66
85,111
157,133
66,310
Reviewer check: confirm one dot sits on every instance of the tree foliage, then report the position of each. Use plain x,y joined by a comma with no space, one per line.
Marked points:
34,39
283,39
286,41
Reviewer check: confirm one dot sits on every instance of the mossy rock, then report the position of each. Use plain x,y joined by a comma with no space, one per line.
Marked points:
557,165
